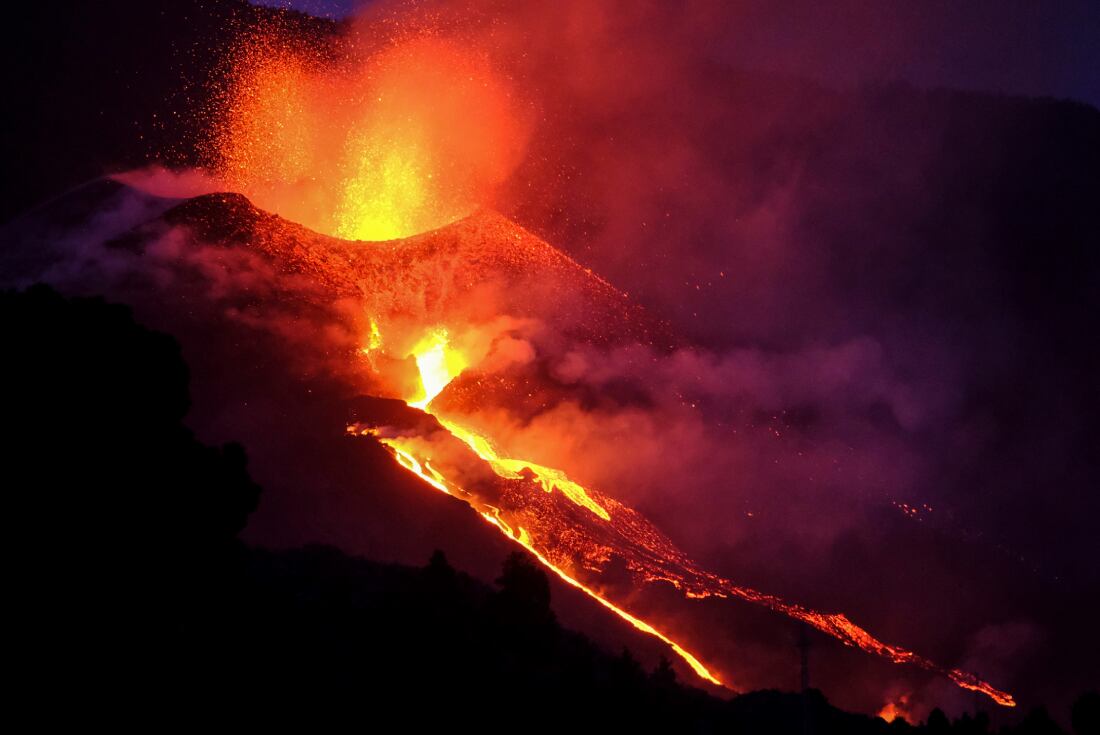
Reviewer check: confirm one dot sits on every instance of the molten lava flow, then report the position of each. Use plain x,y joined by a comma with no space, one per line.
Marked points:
521,537
438,364
564,539
383,144
549,478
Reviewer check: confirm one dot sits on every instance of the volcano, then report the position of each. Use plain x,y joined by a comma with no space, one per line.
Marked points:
454,332
777,372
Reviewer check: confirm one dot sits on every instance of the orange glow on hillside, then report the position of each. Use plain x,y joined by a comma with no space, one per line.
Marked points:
895,709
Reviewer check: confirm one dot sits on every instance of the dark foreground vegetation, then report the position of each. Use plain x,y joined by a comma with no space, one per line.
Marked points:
133,599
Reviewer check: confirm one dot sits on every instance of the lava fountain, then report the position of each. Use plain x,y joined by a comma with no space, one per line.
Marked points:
375,145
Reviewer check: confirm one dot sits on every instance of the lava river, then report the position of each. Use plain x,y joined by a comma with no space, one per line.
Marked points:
587,528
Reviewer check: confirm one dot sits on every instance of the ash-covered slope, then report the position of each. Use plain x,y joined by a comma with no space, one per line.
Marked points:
483,275
481,263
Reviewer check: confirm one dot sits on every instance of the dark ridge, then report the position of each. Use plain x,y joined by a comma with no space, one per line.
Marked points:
389,412
223,217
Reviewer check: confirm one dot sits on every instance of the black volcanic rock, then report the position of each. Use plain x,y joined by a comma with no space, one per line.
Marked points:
372,411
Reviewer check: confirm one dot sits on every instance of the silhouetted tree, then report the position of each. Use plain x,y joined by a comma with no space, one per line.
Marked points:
1086,714
443,608
439,571
524,595
103,458
664,676
1038,722
900,725
627,671
133,520
976,725
937,723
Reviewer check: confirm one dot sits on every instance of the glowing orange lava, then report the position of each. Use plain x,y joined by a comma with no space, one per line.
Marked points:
895,709
384,144
520,536
438,364
611,527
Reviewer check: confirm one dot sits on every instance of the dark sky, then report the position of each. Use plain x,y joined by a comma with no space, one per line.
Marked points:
1013,46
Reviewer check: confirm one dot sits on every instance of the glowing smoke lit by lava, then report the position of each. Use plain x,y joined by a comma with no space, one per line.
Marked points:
898,707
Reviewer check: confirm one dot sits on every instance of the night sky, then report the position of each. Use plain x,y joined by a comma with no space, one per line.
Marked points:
1010,46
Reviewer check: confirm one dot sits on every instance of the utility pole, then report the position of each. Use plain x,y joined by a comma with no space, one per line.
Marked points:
977,702
803,644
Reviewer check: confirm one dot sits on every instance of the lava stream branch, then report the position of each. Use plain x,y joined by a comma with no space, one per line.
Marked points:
573,529
605,528
520,536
